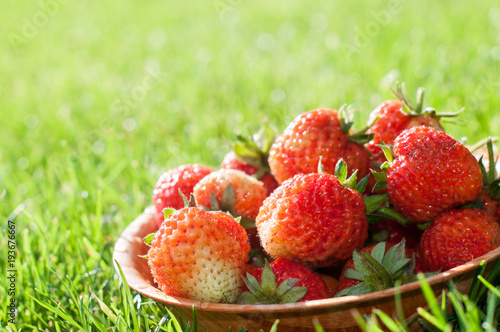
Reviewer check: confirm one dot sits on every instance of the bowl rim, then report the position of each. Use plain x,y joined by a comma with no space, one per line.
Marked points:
136,281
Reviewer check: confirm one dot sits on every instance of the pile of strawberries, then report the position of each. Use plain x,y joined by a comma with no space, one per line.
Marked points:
322,211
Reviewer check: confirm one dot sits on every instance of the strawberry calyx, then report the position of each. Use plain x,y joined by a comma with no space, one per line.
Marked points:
379,269
268,292
490,175
341,175
346,121
418,109
254,150
227,205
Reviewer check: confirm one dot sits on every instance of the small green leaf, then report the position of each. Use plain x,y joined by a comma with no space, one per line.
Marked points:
360,263
144,256
357,289
354,274
494,189
148,238
252,284
321,170
245,222
361,139
268,279
341,170
293,295
184,199
373,202
228,199
378,252
214,204
247,298
387,150
361,186
393,214
167,212
285,286
379,176
374,218
351,181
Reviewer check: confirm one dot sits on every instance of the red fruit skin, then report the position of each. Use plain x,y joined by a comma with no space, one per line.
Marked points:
396,232
458,236
231,161
250,192
391,121
431,173
285,269
200,254
166,192
490,205
311,135
313,219
331,284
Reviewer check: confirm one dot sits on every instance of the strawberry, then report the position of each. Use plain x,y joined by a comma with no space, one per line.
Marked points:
313,218
392,117
318,133
431,173
232,161
392,231
266,285
198,254
249,193
331,284
250,155
183,178
377,267
458,236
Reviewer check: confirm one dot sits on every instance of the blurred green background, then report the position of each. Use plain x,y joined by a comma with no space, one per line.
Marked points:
97,98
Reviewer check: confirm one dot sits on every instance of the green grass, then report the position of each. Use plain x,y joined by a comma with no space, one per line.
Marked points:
101,97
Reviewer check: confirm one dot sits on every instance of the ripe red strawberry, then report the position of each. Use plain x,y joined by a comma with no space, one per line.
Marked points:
249,193
314,219
458,236
379,266
199,255
318,133
183,178
231,161
250,155
431,173
392,117
283,270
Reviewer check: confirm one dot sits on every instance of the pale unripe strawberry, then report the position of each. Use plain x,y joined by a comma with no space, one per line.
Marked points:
249,192
201,255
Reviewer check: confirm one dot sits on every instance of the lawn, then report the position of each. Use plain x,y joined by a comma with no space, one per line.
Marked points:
97,99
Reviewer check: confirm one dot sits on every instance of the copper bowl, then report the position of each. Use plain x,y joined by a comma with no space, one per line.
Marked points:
333,314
